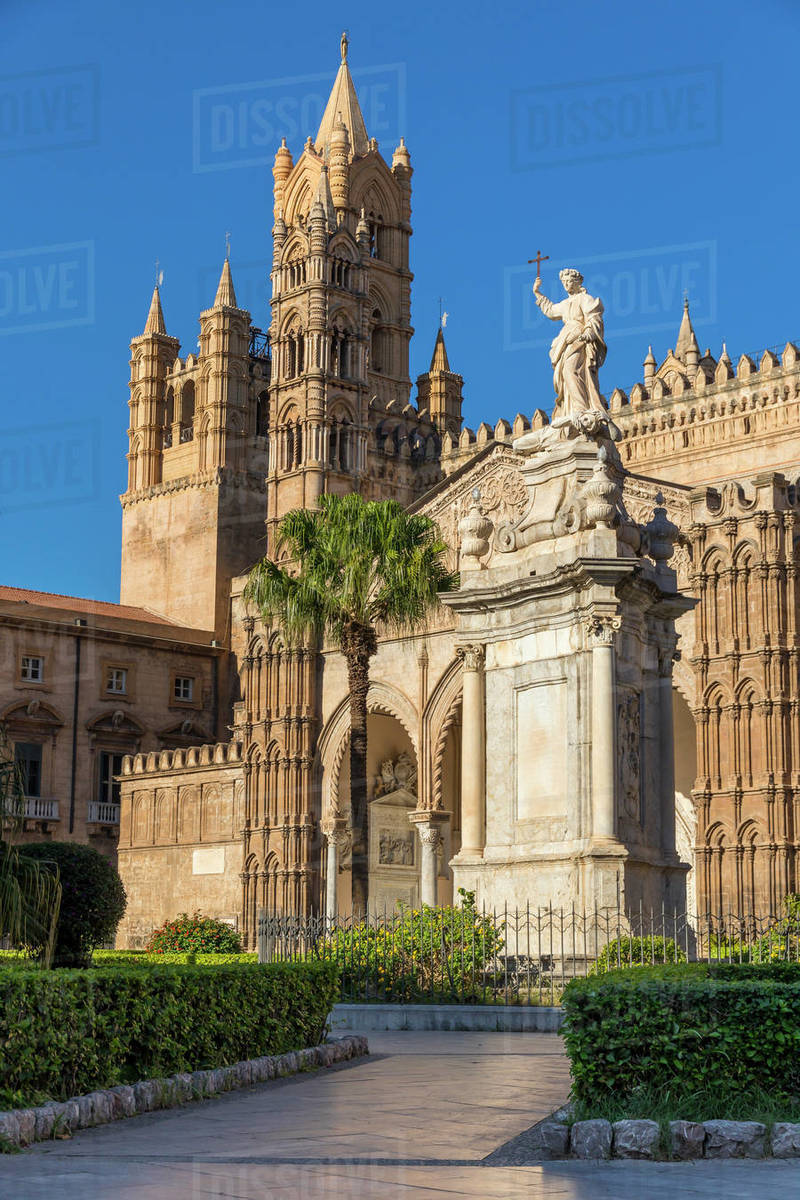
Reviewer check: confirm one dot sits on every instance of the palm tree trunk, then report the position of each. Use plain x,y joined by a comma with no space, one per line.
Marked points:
359,644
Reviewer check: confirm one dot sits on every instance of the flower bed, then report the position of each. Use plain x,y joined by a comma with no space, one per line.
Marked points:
66,1032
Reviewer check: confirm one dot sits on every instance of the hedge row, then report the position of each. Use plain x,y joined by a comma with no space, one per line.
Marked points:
66,1032
685,1029
149,958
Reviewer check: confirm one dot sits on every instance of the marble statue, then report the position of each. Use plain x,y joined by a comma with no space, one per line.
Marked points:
578,349
577,352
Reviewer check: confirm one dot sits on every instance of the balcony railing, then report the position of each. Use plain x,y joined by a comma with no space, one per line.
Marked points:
103,813
39,809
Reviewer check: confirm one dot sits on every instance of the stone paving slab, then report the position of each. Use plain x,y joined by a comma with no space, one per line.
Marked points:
414,1120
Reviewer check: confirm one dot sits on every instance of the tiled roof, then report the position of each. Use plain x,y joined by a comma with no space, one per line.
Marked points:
96,608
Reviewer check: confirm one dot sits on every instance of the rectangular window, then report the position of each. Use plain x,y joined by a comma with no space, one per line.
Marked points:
117,680
28,757
32,668
108,791
184,687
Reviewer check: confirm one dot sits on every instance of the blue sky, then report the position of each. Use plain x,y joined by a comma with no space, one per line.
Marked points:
654,147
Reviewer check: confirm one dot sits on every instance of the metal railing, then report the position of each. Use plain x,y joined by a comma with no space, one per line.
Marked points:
103,813
513,956
39,809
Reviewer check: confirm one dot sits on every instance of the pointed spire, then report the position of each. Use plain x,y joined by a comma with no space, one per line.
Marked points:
440,361
324,197
226,296
343,107
686,347
155,317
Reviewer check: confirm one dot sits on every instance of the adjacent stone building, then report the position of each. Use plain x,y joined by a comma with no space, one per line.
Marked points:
86,683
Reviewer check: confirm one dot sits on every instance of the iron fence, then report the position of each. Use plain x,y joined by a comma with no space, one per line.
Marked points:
467,955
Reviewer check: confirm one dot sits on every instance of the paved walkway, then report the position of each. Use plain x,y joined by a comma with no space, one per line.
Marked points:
413,1120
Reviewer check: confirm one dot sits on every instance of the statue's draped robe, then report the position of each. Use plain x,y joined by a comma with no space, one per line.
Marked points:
576,362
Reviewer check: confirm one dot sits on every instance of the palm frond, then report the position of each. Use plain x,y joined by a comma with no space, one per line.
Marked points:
353,563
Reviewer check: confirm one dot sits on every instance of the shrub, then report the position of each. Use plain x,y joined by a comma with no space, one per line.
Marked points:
93,899
639,951
684,1028
421,954
782,942
65,1032
144,958
202,935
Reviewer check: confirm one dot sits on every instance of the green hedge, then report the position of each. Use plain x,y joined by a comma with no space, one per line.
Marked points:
149,958
67,1032
684,1028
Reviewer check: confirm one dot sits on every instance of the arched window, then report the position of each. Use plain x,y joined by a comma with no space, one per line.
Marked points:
383,243
379,345
295,352
341,445
169,417
262,415
187,412
340,353
374,226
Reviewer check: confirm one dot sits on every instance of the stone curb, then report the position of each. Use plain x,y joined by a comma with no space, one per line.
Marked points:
22,1126
599,1139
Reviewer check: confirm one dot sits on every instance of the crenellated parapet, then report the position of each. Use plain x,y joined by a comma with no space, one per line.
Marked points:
457,449
159,761
699,418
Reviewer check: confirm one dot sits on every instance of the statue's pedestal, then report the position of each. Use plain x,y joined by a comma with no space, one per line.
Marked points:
567,631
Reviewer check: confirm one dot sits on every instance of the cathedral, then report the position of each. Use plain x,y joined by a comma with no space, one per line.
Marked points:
608,709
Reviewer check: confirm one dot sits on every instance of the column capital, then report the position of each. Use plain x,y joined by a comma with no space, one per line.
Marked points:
601,627
334,829
429,823
472,655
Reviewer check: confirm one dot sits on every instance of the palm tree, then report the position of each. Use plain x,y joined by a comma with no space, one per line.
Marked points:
356,565
30,894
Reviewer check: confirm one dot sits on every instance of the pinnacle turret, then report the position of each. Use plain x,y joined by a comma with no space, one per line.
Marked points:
323,197
439,390
686,348
155,317
439,360
226,296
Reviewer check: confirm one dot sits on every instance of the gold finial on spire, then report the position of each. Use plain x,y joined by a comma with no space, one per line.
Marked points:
227,244
344,43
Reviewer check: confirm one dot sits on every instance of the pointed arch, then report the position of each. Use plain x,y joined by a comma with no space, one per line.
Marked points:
382,698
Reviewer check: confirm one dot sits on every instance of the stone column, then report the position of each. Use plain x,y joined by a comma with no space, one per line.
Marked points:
429,825
604,719
335,833
473,751
666,757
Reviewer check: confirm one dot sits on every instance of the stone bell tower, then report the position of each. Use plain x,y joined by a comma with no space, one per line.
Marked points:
341,292
193,512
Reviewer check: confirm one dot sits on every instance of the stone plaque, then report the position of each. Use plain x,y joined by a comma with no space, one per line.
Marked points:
541,746
393,855
209,861
395,848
